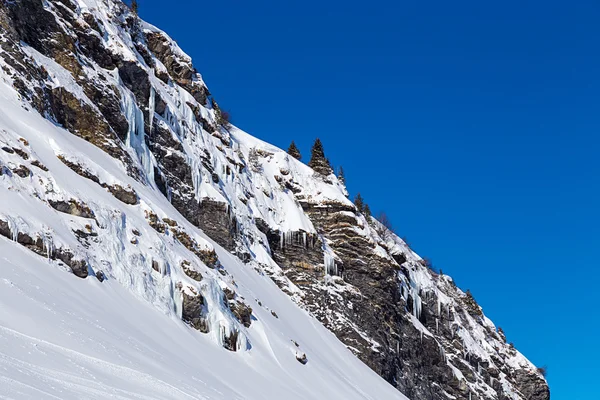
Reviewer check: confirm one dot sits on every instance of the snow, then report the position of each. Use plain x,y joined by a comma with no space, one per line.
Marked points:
70,338
62,337
59,77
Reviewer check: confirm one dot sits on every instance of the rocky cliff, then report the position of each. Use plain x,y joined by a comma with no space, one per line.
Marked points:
95,69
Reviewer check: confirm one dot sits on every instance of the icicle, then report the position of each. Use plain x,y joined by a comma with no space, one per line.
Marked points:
304,240
177,301
14,229
437,325
136,135
416,298
151,103
48,245
281,239
196,174
330,267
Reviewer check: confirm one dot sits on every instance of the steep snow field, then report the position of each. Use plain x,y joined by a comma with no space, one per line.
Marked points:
62,337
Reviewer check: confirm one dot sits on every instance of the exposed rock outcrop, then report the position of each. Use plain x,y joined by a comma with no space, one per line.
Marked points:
72,207
194,312
44,247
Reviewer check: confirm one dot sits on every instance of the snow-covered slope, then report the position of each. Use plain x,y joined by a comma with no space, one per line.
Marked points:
214,264
63,337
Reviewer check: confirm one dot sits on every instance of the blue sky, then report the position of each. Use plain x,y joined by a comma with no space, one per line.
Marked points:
474,126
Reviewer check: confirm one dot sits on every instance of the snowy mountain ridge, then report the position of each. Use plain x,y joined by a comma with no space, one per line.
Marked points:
118,165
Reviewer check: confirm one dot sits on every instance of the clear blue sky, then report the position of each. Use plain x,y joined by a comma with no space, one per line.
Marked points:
474,125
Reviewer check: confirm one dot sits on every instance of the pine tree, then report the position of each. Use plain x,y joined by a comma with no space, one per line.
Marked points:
318,161
134,6
294,152
367,212
359,203
341,176
317,149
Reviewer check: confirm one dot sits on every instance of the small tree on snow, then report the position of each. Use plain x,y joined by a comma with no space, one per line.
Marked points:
134,6
341,176
359,203
293,151
367,212
318,161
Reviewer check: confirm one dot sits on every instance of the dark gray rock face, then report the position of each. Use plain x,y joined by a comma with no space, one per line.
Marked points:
72,207
126,195
39,246
295,251
194,312
191,272
179,68
532,386
402,358
29,21
216,220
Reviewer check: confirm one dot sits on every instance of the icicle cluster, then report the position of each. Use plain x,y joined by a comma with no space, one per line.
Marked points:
330,266
416,298
136,137
296,238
